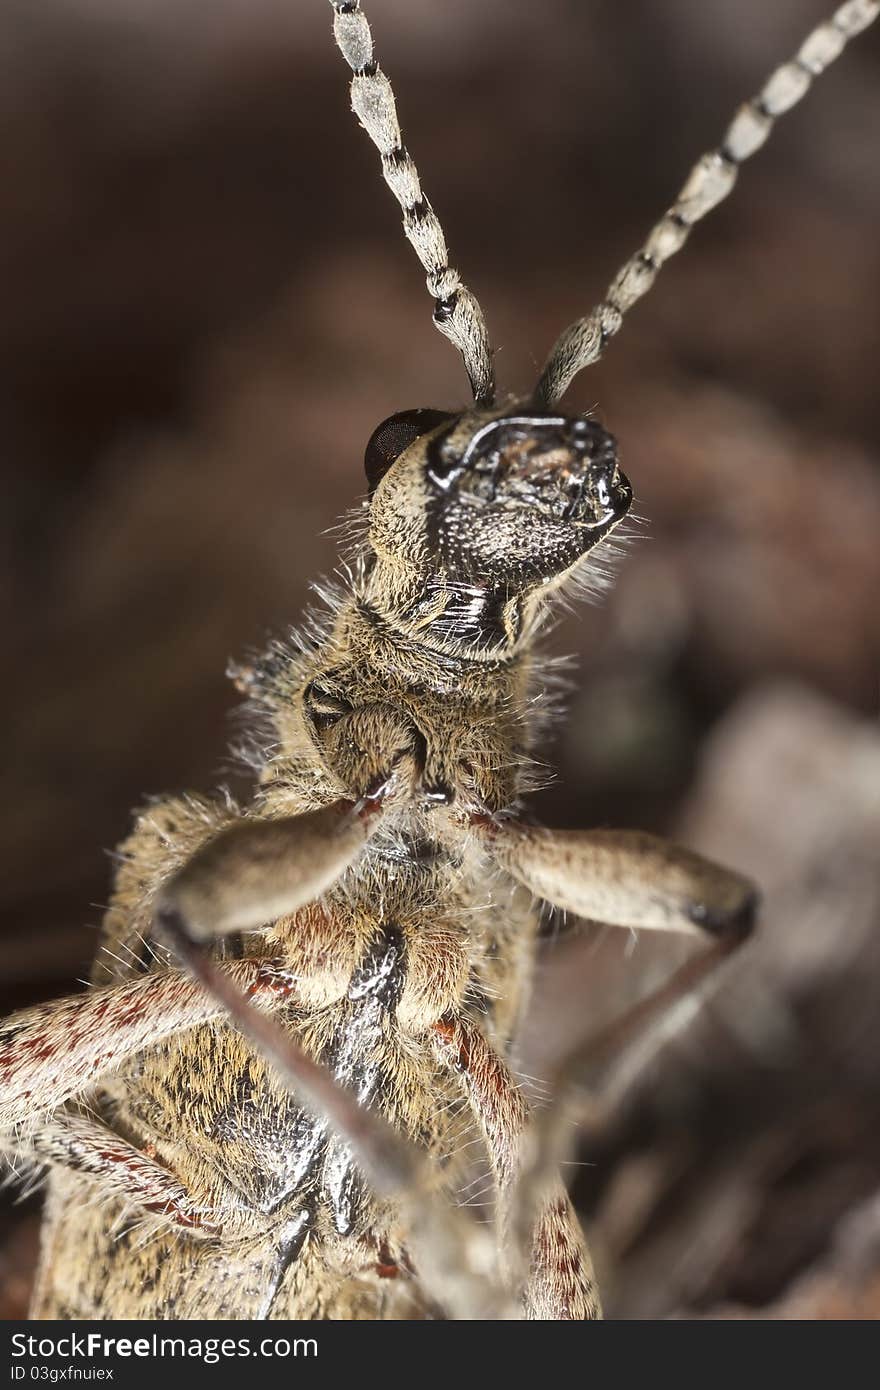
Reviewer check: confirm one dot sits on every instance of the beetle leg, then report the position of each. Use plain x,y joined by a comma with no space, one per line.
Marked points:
626,878
559,1285
600,1068
618,877
51,1052
257,870
119,1169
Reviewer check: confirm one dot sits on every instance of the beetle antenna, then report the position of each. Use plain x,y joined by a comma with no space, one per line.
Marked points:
708,183
457,312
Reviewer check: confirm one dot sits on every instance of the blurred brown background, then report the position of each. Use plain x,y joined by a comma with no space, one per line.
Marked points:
207,306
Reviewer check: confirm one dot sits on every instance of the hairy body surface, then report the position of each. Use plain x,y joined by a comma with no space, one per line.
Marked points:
285,1126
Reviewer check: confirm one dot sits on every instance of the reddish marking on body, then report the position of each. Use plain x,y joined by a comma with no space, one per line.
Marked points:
387,1266
272,979
454,1039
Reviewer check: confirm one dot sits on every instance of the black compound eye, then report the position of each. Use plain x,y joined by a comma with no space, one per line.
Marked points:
388,440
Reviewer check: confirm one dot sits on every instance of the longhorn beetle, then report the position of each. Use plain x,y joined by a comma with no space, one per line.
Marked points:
257,1110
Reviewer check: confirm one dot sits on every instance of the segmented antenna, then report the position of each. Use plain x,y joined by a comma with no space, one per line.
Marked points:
709,182
456,311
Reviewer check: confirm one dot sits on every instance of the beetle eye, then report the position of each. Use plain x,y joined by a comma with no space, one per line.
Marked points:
388,440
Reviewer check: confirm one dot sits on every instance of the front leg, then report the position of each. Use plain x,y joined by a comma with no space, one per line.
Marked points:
255,871
630,879
625,878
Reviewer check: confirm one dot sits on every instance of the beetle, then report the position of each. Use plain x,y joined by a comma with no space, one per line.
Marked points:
282,1108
